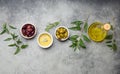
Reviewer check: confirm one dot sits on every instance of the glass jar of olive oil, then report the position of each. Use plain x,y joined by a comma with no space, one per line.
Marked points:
96,31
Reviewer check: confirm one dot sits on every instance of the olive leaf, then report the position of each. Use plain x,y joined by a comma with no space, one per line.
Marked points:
109,45
11,45
50,26
85,26
17,50
77,25
74,44
75,48
108,41
14,36
56,23
75,28
86,38
111,27
24,46
3,32
4,26
73,37
74,40
5,29
19,41
109,37
8,39
114,46
12,27
81,43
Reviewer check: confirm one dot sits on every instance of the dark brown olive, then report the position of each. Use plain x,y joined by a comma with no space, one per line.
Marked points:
23,31
30,30
24,27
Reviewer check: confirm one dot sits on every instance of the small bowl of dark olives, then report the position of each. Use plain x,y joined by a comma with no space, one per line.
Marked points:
28,31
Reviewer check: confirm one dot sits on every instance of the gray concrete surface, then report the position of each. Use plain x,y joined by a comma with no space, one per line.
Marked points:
59,59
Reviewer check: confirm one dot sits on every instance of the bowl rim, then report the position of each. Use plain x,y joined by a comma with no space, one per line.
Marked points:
26,36
67,31
50,37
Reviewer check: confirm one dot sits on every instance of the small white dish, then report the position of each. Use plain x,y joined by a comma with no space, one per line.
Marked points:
62,39
28,37
45,40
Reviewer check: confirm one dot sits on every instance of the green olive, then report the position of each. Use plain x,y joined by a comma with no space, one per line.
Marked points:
58,36
58,30
61,31
57,33
62,35
64,29
66,34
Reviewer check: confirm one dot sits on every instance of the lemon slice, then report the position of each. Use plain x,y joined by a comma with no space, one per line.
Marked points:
96,32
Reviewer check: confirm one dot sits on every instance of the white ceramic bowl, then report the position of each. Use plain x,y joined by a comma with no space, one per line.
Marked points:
26,36
50,42
67,31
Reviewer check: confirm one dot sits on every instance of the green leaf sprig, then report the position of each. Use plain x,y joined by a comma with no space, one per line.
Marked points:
78,41
110,40
17,42
51,25
77,25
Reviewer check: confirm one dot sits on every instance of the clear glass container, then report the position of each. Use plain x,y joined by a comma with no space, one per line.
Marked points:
96,31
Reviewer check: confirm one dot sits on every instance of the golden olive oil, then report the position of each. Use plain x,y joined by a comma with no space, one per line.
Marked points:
96,31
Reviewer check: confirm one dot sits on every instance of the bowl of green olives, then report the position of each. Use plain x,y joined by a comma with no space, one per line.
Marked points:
62,33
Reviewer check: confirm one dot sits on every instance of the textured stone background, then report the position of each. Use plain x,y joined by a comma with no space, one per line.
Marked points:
59,59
